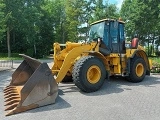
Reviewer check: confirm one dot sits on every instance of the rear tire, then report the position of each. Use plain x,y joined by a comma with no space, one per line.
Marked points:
89,73
137,70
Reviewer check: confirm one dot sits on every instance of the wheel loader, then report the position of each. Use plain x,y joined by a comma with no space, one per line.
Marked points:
105,53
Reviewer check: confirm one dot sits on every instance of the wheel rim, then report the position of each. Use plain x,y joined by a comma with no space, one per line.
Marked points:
139,69
93,74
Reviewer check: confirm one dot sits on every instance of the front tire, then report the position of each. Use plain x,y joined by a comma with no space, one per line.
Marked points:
89,73
137,70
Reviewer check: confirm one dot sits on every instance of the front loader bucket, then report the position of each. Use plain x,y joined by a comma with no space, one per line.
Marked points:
32,85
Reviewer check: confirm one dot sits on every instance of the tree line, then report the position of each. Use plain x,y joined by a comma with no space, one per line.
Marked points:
142,20
32,26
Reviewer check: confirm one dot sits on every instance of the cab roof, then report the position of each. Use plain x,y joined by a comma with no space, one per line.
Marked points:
107,19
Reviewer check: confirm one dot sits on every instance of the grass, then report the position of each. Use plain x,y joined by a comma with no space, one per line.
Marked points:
21,58
157,59
11,58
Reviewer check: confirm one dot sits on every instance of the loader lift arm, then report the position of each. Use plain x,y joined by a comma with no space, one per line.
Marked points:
63,62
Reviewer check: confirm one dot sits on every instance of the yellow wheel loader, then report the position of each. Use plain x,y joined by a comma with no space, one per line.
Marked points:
87,64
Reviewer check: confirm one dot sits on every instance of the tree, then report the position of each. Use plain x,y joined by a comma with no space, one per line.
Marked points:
74,12
2,20
141,19
31,27
102,11
12,13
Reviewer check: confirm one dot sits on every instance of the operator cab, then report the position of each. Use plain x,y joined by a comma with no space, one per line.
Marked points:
111,33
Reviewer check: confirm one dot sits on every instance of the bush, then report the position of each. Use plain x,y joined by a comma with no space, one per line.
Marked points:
155,67
15,54
3,55
30,52
6,55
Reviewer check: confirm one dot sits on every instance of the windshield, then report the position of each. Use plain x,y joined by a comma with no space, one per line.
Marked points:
96,30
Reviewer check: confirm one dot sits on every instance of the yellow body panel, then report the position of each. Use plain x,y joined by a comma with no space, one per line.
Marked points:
65,59
115,63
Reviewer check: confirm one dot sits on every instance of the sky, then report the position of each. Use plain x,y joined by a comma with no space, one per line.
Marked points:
117,2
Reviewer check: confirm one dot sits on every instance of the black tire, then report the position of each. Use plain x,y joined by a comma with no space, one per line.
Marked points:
137,70
89,74
67,79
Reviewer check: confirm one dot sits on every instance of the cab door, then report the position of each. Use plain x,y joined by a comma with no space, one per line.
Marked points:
116,37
